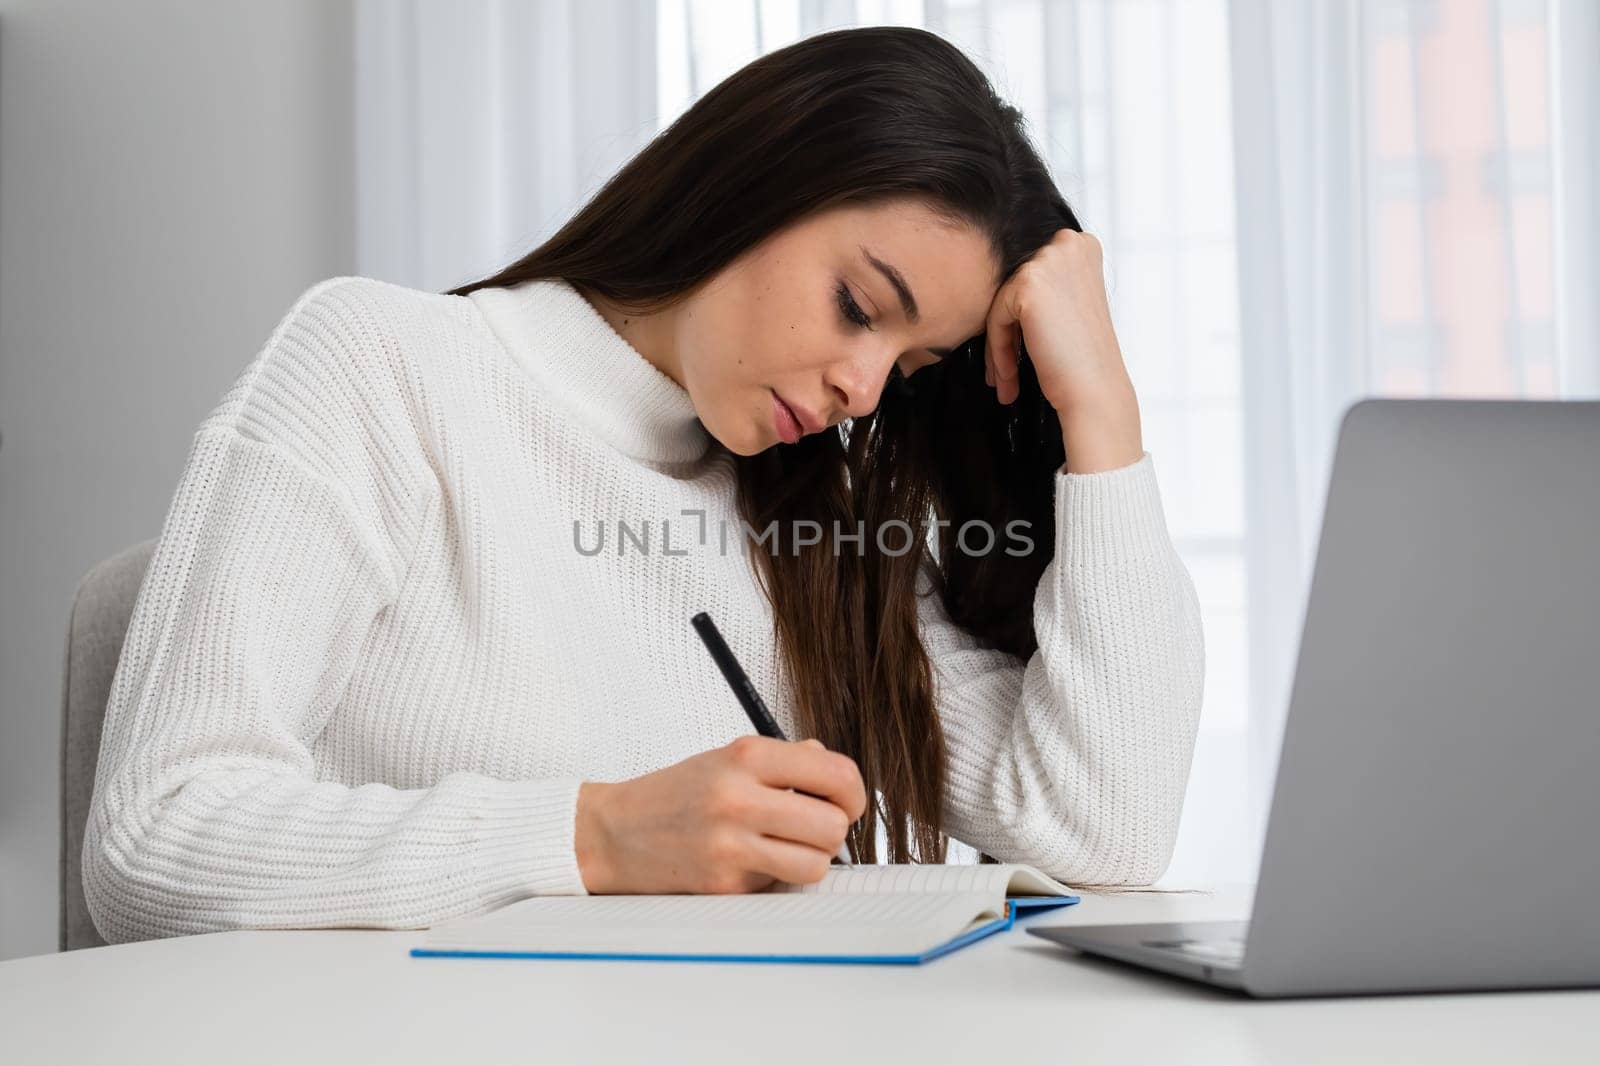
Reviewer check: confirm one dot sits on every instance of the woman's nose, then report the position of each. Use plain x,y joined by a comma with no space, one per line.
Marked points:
857,383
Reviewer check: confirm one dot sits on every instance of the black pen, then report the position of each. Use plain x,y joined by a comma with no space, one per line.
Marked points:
754,706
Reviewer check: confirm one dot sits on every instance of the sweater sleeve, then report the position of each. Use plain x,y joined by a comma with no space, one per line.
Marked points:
1077,760
288,536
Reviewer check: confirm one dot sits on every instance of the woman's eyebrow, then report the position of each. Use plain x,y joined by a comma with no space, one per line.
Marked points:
908,302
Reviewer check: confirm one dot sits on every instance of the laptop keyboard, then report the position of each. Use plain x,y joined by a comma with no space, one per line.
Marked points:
1227,950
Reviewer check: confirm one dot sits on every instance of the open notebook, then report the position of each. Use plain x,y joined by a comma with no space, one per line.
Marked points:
901,913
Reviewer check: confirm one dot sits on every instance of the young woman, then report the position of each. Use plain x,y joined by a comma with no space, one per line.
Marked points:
830,360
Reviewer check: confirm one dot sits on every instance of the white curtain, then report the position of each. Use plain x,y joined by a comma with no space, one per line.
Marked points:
1302,202
1420,180
482,125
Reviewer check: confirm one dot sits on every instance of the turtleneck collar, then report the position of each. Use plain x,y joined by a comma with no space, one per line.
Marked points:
560,338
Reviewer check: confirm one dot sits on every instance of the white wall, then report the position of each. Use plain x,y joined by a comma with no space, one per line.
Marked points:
172,174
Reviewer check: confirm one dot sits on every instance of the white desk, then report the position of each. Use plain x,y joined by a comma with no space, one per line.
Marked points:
357,997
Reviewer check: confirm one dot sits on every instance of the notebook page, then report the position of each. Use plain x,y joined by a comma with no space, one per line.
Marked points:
993,881
763,923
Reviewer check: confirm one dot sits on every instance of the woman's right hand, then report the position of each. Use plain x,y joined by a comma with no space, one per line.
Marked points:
721,821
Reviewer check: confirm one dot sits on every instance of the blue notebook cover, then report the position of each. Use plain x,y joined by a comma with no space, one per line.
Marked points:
1015,907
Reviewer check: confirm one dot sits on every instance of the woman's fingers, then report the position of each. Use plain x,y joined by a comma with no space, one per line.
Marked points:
1000,349
829,775
794,863
802,819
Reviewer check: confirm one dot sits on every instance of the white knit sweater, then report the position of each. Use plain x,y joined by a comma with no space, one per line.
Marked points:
370,664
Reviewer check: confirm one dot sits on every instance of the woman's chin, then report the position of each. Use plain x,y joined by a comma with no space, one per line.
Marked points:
754,444
744,440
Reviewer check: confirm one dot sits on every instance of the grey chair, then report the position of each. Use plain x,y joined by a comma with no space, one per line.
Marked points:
96,626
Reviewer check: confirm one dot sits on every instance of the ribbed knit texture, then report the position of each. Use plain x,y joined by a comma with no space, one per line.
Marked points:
377,650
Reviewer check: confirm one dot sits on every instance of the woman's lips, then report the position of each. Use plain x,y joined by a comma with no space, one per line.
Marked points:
785,421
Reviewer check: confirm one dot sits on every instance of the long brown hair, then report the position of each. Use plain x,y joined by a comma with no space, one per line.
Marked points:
856,116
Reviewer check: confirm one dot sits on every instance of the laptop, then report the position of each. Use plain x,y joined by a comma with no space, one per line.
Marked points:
1435,819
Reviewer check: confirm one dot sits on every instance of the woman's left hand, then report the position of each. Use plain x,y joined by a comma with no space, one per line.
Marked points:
1058,300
